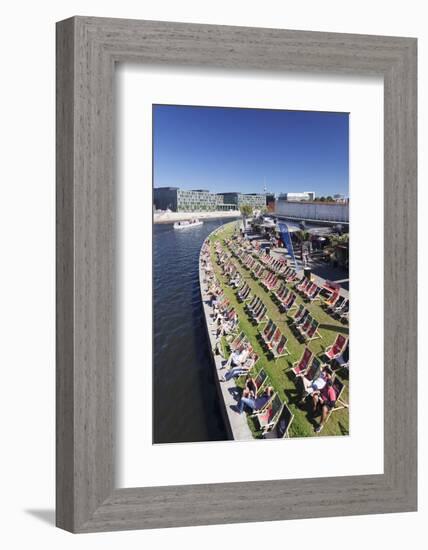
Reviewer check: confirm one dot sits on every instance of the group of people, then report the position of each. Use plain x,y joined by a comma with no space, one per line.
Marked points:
225,319
243,358
240,362
249,397
321,392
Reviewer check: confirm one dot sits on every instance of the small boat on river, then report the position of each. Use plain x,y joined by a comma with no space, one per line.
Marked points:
187,224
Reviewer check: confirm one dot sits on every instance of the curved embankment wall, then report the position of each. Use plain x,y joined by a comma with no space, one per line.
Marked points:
170,217
236,424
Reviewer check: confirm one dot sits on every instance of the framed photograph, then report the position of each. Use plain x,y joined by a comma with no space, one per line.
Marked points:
274,280
235,206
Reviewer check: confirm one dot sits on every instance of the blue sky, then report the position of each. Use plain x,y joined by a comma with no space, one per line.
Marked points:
229,149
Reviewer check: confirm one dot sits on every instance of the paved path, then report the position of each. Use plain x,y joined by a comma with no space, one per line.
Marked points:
320,272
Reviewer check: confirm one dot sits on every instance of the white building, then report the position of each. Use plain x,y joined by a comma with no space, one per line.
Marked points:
340,198
313,211
296,197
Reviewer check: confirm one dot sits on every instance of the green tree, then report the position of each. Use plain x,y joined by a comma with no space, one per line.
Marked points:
302,235
336,241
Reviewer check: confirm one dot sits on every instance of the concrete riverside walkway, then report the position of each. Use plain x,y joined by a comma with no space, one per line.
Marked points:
236,423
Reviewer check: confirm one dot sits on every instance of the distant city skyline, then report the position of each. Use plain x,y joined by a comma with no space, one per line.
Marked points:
242,150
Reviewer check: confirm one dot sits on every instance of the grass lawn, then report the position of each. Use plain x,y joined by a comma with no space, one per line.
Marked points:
282,379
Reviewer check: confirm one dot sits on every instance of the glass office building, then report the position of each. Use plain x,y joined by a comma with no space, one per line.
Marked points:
255,200
194,200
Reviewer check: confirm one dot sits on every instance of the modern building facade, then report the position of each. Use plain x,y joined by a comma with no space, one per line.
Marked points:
195,200
255,200
296,197
311,211
184,200
340,198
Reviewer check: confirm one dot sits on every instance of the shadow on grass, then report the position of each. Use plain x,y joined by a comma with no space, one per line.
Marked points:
293,396
290,375
304,405
343,429
342,373
287,371
335,328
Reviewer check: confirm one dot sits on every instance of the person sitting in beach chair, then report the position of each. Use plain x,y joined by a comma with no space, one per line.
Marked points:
213,291
256,403
235,281
238,357
226,327
317,383
238,341
216,298
221,310
250,387
241,369
235,372
327,399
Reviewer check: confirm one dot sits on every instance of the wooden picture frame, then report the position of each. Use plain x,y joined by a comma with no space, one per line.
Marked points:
87,50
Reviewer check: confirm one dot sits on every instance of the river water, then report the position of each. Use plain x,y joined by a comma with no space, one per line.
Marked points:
185,400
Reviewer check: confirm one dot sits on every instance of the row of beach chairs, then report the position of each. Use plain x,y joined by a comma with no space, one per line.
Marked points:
240,342
274,418
285,298
275,265
273,340
258,264
308,289
309,367
258,270
243,292
256,310
245,258
304,325
270,281
337,306
289,274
